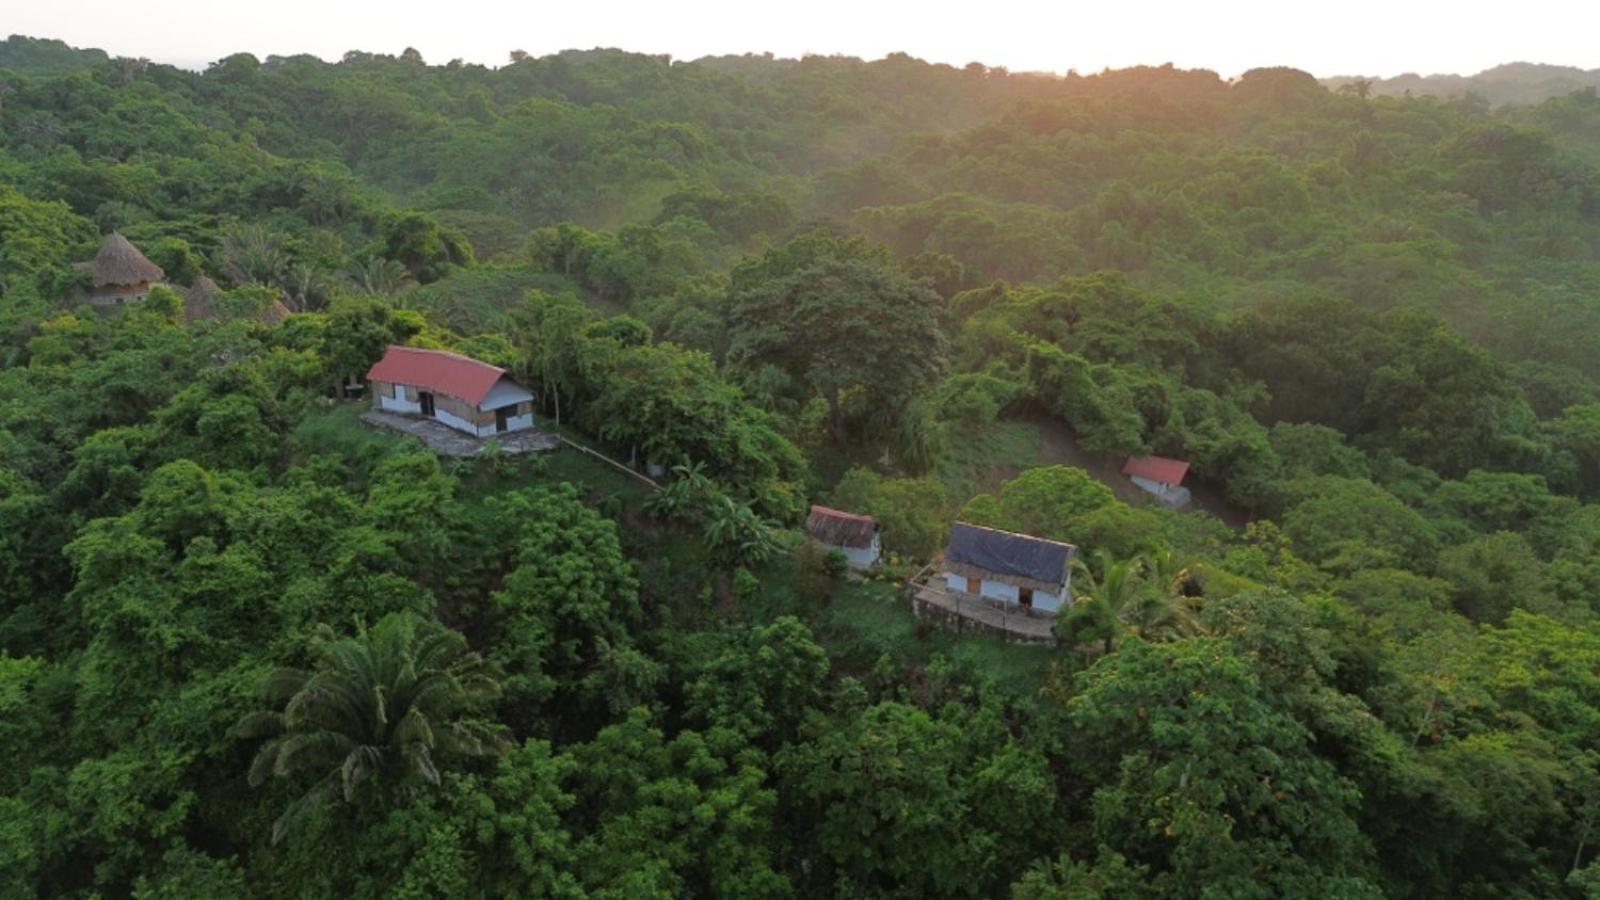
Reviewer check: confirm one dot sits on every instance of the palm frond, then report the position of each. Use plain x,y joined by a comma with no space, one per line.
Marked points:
358,764
260,724
264,763
422,763
414,729
310,750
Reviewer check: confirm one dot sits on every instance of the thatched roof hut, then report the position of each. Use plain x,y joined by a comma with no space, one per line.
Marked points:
274,314
120,263
200,300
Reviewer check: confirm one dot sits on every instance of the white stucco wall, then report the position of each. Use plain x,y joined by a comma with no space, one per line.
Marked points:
1171,495
513,423
1154,487
1046,602
504,393
399,405
860,557
1001,591
455,422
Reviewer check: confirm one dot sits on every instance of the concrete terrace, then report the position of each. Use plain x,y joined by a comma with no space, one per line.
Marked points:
931,599
447,441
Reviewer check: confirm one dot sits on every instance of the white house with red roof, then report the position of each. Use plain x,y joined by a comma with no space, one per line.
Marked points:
1160,476
464,393
853,534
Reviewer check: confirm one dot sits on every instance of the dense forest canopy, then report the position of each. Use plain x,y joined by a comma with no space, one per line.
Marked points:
1510,83
249,647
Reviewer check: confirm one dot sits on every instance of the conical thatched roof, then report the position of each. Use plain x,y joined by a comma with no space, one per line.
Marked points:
274,314
199,301
120,262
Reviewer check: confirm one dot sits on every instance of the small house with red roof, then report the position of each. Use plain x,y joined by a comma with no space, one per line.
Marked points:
1159,476
464,393
853,534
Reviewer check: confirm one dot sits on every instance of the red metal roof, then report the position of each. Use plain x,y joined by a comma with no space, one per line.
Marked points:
437,370
841,514
1156,468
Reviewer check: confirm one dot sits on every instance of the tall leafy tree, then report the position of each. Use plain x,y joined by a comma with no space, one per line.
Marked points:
837,316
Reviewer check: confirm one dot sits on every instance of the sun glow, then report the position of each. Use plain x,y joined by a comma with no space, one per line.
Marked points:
1360,37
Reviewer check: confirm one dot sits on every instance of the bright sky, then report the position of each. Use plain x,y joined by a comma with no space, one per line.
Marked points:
1369,37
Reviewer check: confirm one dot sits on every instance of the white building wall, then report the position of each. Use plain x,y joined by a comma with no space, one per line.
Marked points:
859,557
999,590
1046,602
1154,487
1169,494
505,393
399,405
455,422
513,423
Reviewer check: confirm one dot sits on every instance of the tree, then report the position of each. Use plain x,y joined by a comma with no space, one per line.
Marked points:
1203,780
569,599
1044,501
550,336
357,332
377,707
379,276
251,254
1141,591
764,684
1493,575
1356,521
913,512
736,536
837,317
427,249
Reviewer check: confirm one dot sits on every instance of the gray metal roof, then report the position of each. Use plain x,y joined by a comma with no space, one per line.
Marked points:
1009,553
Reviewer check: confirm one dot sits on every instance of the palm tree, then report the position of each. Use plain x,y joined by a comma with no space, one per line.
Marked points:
1168,580
378,275
251,254
1142,592
683,496
375,706
306,287
736,535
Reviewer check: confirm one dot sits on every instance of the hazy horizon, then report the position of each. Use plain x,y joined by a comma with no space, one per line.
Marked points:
1363,37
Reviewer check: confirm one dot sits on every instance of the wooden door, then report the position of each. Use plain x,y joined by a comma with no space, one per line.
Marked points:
1025,597
425,399
974,586
501,420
